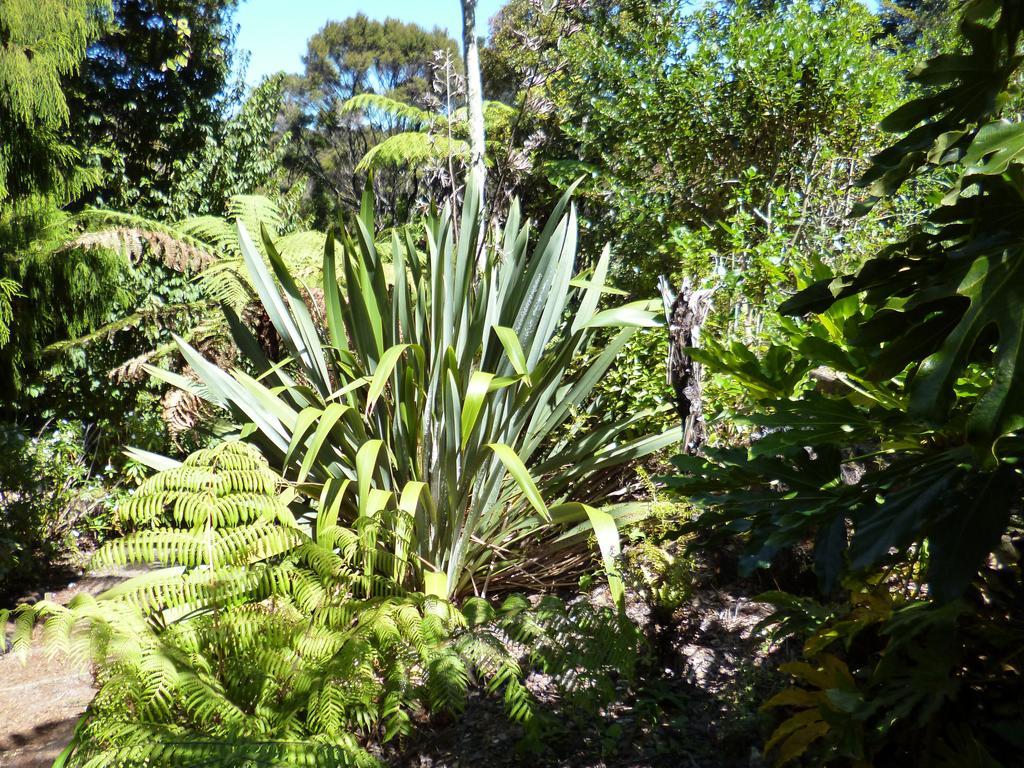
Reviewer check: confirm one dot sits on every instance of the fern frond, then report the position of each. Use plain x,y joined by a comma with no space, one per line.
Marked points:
177,253
412,149
303,252
217,232
254,211
447,681
373,102
498,116
193,750
134,320
131,235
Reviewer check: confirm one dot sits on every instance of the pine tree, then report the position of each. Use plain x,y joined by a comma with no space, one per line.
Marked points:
41,41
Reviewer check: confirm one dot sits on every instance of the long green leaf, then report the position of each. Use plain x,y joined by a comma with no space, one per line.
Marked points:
515,467
330,416
607,534
366,464
639,314
514,350
385,368
476,392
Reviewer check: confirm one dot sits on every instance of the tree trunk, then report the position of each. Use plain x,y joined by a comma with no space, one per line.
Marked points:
474,96
685,313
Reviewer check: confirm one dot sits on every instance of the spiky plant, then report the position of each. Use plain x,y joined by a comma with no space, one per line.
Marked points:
253,640
455,393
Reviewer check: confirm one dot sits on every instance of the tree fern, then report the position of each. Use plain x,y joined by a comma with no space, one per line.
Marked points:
100,263
226,281
429,137
251,210
205,245
138,236
413,149
373,102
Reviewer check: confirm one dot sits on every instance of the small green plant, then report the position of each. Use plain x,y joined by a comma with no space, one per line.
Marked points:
657,565
664,572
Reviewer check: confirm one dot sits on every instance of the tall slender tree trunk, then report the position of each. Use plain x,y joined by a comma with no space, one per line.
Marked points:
474,96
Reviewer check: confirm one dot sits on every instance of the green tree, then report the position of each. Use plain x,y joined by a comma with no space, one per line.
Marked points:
150,94
41,41
242,155
524,64
84,310
918,22
666,110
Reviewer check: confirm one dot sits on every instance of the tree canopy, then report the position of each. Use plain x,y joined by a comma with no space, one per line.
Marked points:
150,94
344,59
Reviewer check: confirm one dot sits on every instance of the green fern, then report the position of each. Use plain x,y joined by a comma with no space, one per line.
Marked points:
251,210
410,148
99,244
137,236
373,102
204,245
226,280
260,636
428,137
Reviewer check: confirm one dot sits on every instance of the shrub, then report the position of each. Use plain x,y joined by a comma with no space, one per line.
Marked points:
50,499
887,429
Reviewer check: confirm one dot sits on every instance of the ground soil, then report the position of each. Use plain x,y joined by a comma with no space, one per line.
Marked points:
42,697
694,702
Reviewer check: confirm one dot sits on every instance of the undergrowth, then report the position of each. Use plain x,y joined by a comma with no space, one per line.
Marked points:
264,633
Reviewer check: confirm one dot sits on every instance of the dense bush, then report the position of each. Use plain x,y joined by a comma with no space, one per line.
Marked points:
887,431
52,498
668,109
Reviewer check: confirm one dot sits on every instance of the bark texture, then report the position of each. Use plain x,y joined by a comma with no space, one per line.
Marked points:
685,312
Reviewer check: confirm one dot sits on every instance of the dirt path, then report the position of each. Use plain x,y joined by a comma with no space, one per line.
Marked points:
42,698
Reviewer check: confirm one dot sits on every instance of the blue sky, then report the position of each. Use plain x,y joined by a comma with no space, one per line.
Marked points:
275,31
